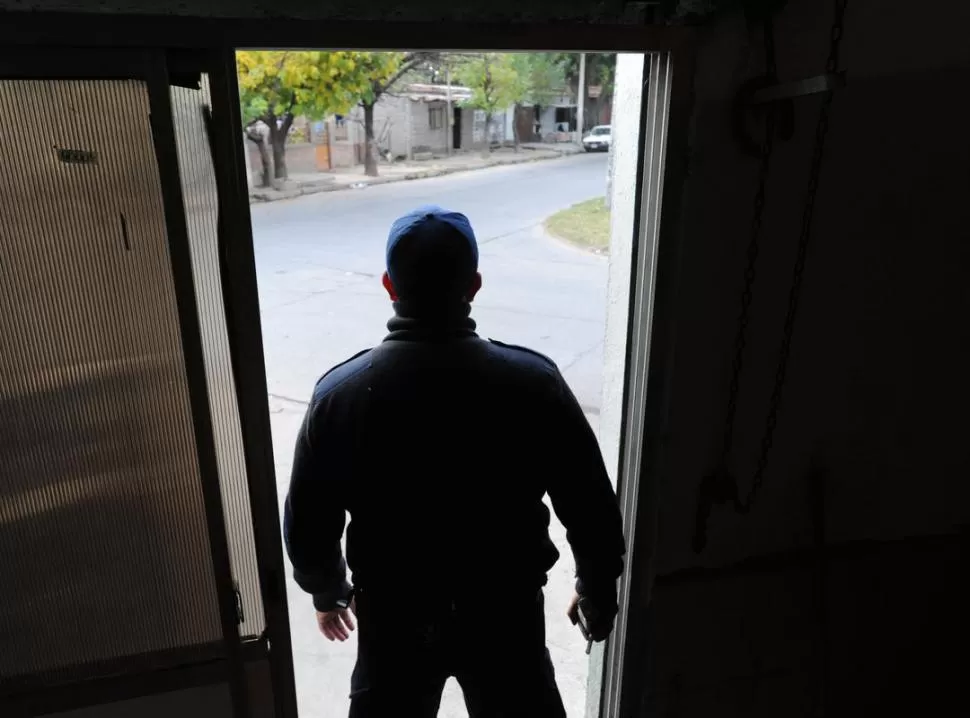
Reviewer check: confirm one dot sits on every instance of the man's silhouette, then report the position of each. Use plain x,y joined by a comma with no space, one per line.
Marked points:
441,446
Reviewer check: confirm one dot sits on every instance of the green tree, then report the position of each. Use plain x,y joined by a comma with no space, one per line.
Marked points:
384,71
495,86
600,71
541,78
276,86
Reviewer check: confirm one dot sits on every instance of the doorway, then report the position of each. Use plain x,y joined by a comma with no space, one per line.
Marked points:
319,259
233,272
456,130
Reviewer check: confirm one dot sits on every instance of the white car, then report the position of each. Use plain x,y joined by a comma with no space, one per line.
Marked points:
599,138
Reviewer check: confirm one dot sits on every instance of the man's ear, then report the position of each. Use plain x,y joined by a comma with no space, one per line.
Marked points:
476,285
389,286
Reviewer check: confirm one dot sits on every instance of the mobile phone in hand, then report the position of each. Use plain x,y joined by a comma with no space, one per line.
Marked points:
583,620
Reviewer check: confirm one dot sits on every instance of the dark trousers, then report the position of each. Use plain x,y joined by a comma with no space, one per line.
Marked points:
496,650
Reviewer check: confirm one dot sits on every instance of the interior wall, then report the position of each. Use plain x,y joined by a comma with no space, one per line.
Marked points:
870,457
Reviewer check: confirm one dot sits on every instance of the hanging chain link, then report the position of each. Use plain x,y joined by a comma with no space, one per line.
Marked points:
721,486
798,273
754,246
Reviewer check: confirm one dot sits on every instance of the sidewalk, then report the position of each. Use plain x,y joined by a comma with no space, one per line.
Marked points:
354,177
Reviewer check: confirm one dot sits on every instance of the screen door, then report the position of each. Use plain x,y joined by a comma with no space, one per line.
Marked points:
127,546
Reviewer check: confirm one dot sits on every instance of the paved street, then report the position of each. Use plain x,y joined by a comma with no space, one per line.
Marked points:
319,260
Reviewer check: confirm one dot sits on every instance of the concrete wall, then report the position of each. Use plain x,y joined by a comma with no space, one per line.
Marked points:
622,183
392,113
870,457
467,128
437,140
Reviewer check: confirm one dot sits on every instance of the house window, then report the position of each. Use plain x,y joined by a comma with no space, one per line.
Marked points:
565,119
436,117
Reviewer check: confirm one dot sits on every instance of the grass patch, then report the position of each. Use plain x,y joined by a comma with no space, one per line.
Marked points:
586,225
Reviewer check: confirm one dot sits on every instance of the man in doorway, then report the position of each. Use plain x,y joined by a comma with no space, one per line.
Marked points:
441,446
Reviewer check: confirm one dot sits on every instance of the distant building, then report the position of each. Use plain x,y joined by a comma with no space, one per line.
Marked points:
555,120
412,123
415,122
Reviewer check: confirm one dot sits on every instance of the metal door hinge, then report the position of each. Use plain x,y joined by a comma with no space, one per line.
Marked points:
240,614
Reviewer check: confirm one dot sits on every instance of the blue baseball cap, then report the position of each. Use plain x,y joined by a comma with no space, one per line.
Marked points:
432,254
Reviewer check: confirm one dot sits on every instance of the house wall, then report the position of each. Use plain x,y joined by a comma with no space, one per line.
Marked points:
391,117
436,140
549,131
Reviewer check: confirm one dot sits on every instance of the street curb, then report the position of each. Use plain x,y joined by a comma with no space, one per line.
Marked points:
259,196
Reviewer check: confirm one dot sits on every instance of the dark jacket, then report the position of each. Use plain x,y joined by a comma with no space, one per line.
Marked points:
441,446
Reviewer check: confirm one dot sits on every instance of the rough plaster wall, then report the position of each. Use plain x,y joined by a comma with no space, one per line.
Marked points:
468,129
878,387
422,134
391,112
385,10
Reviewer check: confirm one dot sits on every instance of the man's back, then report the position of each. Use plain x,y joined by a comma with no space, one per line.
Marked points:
450,444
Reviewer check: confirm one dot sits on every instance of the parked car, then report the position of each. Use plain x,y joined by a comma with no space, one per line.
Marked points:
599,138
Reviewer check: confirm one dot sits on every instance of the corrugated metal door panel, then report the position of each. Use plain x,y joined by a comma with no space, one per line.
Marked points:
104,551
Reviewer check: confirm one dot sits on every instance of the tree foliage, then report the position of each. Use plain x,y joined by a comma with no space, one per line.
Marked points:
278,83
276,86
600,69
492,78
494,84
541,77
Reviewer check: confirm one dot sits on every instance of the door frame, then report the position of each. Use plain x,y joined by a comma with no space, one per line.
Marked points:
108,37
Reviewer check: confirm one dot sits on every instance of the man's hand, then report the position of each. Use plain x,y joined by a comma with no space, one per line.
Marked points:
599,630
337,624
572,611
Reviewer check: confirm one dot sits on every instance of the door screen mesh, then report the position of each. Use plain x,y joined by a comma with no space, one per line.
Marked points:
104,552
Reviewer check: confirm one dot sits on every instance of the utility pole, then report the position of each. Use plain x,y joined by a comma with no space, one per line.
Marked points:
581,97
449,113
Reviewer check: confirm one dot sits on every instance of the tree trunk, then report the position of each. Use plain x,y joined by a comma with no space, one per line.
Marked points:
277,138
278,141
265,173
370,142
487,143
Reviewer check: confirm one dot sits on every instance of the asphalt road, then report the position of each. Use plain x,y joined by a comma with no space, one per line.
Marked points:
320,258
319,261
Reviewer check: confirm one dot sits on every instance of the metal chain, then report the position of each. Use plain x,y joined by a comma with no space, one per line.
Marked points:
754,247
730,492
798,272
750,274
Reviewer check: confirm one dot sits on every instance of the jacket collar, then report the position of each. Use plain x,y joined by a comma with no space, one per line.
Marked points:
411,323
